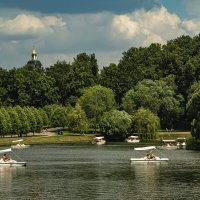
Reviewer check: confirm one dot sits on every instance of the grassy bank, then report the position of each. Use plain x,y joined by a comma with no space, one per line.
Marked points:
173,135
86,138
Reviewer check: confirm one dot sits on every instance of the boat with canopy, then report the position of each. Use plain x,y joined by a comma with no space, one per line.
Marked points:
168,144
19,144
8,161
149,156
99,140
181,143
133,139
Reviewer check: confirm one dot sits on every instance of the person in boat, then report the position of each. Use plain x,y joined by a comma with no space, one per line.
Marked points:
149,155
178,144
5,158
152,155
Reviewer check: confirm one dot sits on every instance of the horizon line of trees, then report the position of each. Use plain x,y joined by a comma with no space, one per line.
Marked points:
164,79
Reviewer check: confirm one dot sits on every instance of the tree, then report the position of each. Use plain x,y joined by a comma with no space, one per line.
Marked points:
70,79
31,118
195,128
8,128
49,109
83,74
95,101
116,124
136,64
109,78
2,124
25,127
146,123
157,96
15,121
3,89
193,103
5,122
78,121
193,109
29,88
39,120
60,73
44,117
59,117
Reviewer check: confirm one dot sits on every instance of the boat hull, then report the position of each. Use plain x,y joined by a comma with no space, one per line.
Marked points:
12,164
99,143
181,146
140,160
20,147
133,141
165,147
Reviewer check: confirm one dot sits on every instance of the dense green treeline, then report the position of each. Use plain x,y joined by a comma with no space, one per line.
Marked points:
161,79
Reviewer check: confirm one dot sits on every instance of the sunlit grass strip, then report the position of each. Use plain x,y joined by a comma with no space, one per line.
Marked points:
86,138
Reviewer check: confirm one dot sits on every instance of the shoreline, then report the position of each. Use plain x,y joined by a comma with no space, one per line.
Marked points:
48,137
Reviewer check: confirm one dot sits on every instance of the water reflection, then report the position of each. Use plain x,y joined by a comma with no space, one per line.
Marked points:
5,178
7,174
147,176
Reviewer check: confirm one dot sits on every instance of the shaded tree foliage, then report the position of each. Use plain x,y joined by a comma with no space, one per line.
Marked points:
195,128
78,121
15,121
72,78
60,73
59,117
25,126
156,96
29,88
95,101
116,124
193,103
146,123
5,122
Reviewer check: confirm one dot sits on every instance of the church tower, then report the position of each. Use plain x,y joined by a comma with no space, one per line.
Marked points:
34,62
34,55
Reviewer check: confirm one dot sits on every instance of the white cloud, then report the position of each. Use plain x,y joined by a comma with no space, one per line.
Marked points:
24,24
157,18
192,26
126,26
53,21
151,37
157,25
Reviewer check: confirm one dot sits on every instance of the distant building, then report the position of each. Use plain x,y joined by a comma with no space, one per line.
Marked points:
34,63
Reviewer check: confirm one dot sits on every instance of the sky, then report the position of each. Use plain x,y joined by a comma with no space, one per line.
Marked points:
62,29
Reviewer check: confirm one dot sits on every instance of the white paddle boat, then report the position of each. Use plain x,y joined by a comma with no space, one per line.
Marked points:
7,161
19,144
149,156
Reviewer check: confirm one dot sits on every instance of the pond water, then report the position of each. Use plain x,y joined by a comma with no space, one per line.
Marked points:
89,172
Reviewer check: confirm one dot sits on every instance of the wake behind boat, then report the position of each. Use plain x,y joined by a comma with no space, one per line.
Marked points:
149,156
9,162
19,145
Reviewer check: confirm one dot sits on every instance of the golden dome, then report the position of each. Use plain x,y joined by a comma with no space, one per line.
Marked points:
34,53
